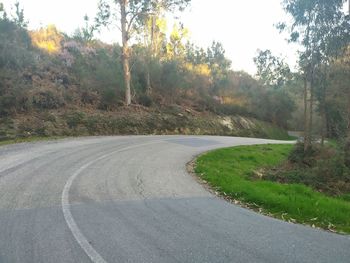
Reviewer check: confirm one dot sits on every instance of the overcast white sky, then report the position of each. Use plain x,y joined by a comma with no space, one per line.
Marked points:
242,26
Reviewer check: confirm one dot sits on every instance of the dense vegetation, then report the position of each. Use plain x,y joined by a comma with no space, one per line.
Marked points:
48,71
239,173
312,184
321,168
322,30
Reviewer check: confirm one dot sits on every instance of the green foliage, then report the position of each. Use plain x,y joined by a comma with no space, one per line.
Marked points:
47,99
18,18
97,69
275,106
272,71
236,173
109,99
15,46
225,109
301,157
86,33
322,28
59,72
219,66
322,168
171,78
8,104
145,100
74,119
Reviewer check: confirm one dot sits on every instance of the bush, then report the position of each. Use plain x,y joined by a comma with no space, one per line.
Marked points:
109,99
321,168
302,158
74,119
347,153
8,104
15,46
224,109
47,99
145,100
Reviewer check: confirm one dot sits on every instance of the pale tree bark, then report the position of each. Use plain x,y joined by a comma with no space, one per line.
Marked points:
311,109
148,83
348,124
307,136
347,142
125,52
151,56
323,101
307,91
323,124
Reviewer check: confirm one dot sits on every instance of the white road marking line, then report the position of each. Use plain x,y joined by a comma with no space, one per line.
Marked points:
78,235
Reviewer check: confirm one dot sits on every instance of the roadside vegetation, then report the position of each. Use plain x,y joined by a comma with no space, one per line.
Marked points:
308,183
29,139
54,84
315,194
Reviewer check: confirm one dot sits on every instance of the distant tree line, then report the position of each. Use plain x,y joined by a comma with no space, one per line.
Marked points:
322,29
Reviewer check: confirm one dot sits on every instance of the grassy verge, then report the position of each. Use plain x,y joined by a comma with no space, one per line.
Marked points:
234,172
30,139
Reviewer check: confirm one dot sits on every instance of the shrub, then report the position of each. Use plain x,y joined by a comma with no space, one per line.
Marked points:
15,46
145,100
74,119
347,153
47,99
300,157
109,99
321,168
7,104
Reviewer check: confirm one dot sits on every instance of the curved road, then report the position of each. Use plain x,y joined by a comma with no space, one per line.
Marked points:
129,199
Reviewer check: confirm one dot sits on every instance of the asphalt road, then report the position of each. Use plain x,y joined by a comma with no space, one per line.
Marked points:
130,199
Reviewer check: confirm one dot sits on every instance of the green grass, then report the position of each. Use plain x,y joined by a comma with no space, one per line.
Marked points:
30,139
230,171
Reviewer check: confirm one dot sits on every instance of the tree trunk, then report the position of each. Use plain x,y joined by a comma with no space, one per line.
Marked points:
126,53
347,150
307,89
324,119
311,110
347,140
148,83
151,55
324,125
307,139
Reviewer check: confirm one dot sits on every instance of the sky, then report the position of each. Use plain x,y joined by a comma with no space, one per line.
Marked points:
241,26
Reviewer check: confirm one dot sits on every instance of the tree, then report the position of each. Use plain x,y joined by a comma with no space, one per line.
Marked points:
153,34
276,79
272,71
86,33
18,18
131,15
176,48
219,66
315,26
3,14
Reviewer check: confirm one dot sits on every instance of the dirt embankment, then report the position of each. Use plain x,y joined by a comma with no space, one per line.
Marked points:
134,120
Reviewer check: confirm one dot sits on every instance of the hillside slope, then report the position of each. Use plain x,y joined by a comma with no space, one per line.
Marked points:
55,85
134,120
